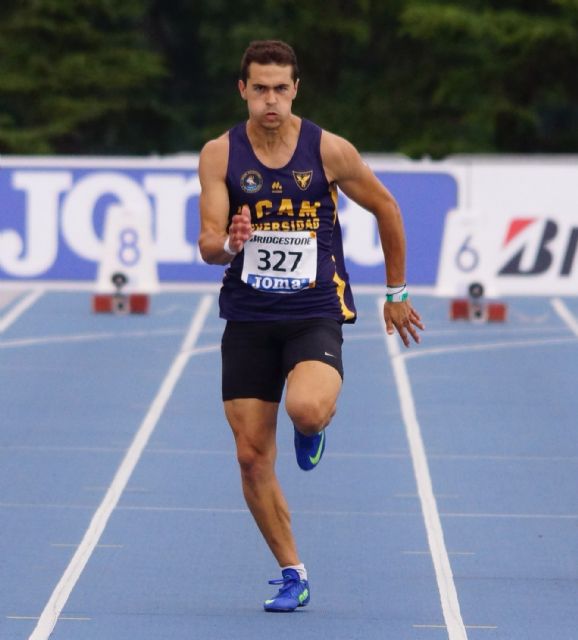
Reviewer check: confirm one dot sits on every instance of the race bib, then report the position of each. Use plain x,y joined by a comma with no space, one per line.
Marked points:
280,262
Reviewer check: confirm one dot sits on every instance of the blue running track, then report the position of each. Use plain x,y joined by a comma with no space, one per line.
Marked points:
445,505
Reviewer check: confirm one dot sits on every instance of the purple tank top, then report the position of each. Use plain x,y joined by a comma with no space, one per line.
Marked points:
293,266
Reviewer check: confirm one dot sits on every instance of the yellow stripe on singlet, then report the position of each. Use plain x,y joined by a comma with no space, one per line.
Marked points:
334,195
345,310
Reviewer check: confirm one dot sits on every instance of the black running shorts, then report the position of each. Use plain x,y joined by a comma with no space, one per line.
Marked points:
257,356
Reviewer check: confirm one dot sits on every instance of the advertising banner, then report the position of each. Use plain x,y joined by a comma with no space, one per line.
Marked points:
53,211
519,235
512,224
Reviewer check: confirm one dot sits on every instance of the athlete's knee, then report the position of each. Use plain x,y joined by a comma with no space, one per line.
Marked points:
310,415
255,463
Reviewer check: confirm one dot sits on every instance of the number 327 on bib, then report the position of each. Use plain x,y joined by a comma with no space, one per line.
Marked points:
280,262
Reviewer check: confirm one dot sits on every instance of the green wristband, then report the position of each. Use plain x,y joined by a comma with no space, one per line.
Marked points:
397,294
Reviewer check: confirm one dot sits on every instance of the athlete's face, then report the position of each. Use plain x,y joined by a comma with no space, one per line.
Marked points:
269,92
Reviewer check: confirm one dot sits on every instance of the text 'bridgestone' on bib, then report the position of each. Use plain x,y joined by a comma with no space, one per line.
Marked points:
280,262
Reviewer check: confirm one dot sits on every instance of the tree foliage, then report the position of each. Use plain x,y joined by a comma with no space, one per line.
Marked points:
499,78
75,76
413,76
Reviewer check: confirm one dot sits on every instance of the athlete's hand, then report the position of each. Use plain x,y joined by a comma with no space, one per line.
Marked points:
403,317
240,229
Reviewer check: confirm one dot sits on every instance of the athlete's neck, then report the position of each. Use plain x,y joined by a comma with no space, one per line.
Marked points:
275,146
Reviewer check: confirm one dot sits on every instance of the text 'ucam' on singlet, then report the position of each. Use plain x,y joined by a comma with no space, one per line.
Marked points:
292,267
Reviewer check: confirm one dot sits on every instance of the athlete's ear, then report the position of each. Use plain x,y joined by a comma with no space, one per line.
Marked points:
296,87
242,89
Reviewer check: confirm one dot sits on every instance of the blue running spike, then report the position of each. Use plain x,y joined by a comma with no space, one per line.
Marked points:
293,593
309,449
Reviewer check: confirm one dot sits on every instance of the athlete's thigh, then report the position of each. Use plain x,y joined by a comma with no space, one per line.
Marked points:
313,382
314,339
252,363
312,359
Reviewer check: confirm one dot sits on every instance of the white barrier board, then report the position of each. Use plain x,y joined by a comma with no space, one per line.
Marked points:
519,254
128,249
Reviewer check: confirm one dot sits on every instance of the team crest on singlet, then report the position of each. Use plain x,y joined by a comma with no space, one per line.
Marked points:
251,181
303,179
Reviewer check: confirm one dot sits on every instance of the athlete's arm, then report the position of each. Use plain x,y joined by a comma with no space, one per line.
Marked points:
214,206
344,166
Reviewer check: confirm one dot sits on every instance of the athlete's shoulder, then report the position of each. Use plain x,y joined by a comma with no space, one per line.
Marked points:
216,146
214,155
332,144
339,156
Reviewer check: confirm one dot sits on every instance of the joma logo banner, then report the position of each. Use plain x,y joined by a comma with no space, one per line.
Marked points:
53,212
51,220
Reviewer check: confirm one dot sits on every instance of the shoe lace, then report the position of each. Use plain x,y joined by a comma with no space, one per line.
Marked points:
288,583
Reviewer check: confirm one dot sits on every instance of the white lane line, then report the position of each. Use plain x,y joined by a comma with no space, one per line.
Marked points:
562,310
75,618
452,496
24,304
488,330
501,458
73,571
488,346
7,297
488,627
281,454
427,553
210,348
331,454
68,545
305,512
58,449
513,516
192,452
86,337
429,626
444,576
126,489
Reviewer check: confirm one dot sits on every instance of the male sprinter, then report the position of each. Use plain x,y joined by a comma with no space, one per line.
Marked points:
269,210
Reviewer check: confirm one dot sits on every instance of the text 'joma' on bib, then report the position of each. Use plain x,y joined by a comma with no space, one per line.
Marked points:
280,262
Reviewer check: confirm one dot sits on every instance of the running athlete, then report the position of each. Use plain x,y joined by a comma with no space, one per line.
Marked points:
269,210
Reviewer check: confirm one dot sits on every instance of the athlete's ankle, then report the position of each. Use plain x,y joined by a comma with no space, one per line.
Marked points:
300,568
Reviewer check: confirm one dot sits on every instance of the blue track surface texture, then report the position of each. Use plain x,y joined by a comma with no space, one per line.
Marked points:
491,406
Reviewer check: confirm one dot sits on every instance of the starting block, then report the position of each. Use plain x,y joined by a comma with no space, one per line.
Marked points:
476,309
463,309
134,303
119,302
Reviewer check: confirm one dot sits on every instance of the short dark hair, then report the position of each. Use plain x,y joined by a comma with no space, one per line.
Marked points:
269,52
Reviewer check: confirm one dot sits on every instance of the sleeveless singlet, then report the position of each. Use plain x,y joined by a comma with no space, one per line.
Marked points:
292,267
